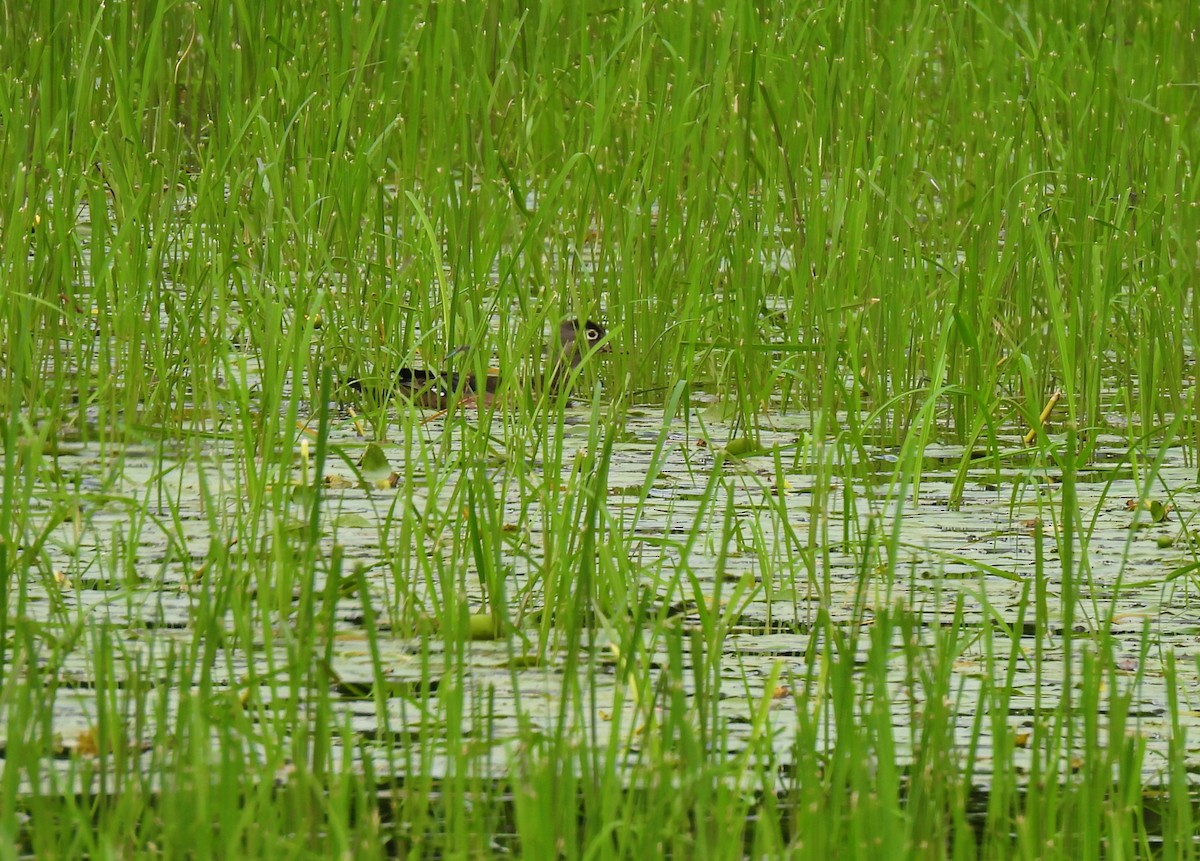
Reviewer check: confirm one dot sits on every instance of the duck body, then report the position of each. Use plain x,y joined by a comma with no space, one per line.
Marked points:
439,389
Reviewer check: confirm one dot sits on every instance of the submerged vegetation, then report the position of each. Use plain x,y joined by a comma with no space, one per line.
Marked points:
802,567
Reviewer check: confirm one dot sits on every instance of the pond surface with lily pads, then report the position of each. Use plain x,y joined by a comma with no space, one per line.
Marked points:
471,577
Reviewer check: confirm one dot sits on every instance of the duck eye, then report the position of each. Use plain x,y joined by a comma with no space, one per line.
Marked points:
593,334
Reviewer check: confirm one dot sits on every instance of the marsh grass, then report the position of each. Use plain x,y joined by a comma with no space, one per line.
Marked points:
911,222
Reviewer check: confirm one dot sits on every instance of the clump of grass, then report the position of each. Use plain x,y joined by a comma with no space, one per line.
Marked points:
909,224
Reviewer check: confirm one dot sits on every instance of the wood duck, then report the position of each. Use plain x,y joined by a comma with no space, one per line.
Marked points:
572,349
437,390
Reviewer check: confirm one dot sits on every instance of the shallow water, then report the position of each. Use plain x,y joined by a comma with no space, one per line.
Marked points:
139,533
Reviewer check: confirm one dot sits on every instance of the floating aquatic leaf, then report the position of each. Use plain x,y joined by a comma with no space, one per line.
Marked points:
743,447
374,463
482,626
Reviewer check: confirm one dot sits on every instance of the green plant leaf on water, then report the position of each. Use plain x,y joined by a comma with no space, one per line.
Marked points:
482,626
721,411
743,447
353,520
374,464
